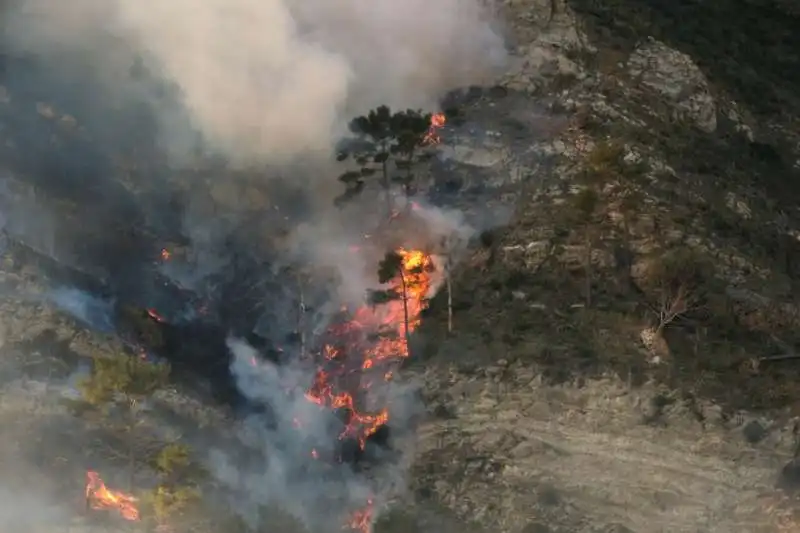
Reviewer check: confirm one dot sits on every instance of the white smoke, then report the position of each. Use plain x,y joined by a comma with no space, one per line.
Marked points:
281,472
267,80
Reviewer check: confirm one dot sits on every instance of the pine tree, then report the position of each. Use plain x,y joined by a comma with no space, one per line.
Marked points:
118,385
390,268
177,488
386,146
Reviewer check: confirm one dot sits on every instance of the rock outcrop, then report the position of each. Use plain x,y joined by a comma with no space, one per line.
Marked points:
582,412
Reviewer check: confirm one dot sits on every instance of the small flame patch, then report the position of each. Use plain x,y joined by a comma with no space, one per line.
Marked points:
100,497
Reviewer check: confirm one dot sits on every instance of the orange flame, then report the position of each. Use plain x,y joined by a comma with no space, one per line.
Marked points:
99,497
438,120
381,338
165,254
390,346
361,520
154,315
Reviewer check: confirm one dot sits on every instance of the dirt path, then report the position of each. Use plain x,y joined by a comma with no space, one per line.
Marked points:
509,450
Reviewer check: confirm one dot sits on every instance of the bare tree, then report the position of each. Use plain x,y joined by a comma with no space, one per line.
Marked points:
448,247
586,203
673,304
677,282
302,279
448,282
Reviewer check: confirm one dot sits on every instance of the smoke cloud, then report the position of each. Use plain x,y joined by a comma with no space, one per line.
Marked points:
266,84
265,81
279,471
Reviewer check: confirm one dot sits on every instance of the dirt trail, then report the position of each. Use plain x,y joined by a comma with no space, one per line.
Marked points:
516,452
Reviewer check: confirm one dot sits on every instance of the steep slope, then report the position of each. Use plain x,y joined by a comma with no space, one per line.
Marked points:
589,406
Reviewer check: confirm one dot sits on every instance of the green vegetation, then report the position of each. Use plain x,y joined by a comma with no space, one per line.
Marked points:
118,386
178,486
114,396
387,147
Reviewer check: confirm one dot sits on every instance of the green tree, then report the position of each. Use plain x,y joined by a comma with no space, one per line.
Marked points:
118,385
387,146
178,484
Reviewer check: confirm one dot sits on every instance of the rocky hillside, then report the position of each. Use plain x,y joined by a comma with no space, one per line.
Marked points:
623,356
642,302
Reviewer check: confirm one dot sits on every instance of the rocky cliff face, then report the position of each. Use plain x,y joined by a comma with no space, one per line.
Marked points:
589,408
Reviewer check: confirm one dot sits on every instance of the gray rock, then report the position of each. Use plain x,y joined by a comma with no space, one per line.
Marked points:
676,77
754,431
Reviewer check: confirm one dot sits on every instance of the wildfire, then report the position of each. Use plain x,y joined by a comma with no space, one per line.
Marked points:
165,254
386,324
377,338
361,520
438,121
99,497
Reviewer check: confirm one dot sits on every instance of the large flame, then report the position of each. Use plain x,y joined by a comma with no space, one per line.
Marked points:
378,336
98,496
438,121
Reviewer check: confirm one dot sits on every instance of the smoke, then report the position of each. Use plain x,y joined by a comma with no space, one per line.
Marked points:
23,511
263,81
268,84
91,310
291,465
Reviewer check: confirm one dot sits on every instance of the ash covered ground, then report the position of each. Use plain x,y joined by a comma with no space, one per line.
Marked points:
168,192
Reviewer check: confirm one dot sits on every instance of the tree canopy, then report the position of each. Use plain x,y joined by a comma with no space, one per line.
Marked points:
385,147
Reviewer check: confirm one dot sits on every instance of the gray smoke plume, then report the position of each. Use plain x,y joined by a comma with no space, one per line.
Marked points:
290,464
267,84
284,474
271,80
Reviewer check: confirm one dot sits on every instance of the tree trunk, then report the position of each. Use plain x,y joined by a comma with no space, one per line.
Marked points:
387,185
449,304
130,438
588,268
407,333
301,314
409,178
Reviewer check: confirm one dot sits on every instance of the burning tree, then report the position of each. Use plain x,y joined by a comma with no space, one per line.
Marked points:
388,145
405,269
119,385
449,247
373,340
